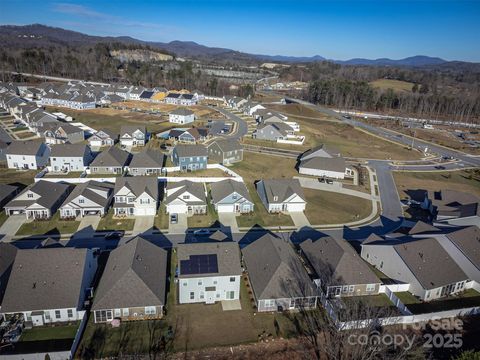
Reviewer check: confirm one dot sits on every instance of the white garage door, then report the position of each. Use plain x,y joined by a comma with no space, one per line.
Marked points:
226,208
144,212
296,207
176,209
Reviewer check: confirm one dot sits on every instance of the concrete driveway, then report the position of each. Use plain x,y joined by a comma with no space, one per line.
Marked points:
229,220
11,226
143,224
299,219
87,227
180,227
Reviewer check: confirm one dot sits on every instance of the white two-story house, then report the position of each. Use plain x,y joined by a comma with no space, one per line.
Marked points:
24,155
70,157
186,197
135,196
131,136
208,272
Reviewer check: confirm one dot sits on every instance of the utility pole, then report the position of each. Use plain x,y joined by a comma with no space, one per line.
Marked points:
413,140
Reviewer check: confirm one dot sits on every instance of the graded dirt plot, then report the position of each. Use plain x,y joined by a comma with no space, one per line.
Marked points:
408,182
325,207
199,110
298,110
113,119
396,85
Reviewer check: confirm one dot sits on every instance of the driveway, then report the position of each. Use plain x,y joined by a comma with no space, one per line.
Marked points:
229,220
11,226
143,224
299,219
180,227
87,227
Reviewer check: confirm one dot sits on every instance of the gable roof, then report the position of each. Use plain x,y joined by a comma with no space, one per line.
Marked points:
336,262
182,112
148,158
320,151
135,276
227,145
226,253
49,193
194,188
275,271
130,129
221,189
190,150
87,190
7,257
68,150
113,156
6,191
429,262
138,185
422,227
467,240
46,278
29,147
336,164
282,189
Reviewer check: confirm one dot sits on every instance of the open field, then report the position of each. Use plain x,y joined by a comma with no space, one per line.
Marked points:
112,119
396,85
408,182
468,298
325,207
12,176
298,110
108,222
48,227
351,142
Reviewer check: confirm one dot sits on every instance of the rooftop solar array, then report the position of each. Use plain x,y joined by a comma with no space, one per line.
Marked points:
199,264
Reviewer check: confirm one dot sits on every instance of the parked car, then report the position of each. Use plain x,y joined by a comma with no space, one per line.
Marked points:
322,180
329,181
173,218
114,235
440,167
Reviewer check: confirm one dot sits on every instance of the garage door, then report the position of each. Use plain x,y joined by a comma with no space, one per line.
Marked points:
144,212
176,209
17,212
296,207
225,208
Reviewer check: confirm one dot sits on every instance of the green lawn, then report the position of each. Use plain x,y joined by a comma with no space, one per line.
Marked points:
108,222
12,176
41,333
204,221
16,129
71,174
3,217
48,227
260,215
161,219
468,298
325,207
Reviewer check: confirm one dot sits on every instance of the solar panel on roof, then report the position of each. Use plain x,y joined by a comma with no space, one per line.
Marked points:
199,264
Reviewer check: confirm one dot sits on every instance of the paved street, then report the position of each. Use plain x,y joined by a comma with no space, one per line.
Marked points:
241,125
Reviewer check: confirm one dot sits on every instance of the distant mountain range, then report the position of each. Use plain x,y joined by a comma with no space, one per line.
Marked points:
37,35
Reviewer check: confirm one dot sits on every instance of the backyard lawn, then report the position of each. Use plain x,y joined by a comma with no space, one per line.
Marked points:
50,332
48,227
71,174
260,215
108,222
12,176
325,207
466,299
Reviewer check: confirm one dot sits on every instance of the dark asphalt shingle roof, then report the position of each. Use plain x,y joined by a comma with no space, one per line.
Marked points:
49,192
221,189
68,150
148,158
468,241
190,150
138,185
281,188
336,164
113,157
135,276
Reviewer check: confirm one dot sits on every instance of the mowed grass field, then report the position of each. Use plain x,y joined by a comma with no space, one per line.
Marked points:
395,85
407,182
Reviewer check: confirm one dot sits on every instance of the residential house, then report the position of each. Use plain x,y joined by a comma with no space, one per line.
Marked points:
277,276
49,285
60,133
188,136
103,137
133,284
180,99
110,161
7,193
208,272
340,270
230,196
39,200
186,197
453,207
3,149
190,157
181,116
147,162
272,131
133,136
136,196
135,92
225,151
323,162
422,263
7,257
281,195
70,157
89,198
146,95
24,155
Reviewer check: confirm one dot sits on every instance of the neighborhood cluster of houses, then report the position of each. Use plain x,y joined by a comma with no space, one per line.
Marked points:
79,95
270,125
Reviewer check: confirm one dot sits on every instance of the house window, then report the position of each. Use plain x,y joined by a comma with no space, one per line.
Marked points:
130,200
57,314
125,311
230,295
214,282
370,287
345,289
217,295
70,313
186,197
200,282
81,201
192,295
47,315
351,288
30,195
234,196
117,312
269,303
103,315
150,310
232,279
381,265
144,201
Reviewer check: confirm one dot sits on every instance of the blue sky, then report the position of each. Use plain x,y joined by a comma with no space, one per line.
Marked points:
336,29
